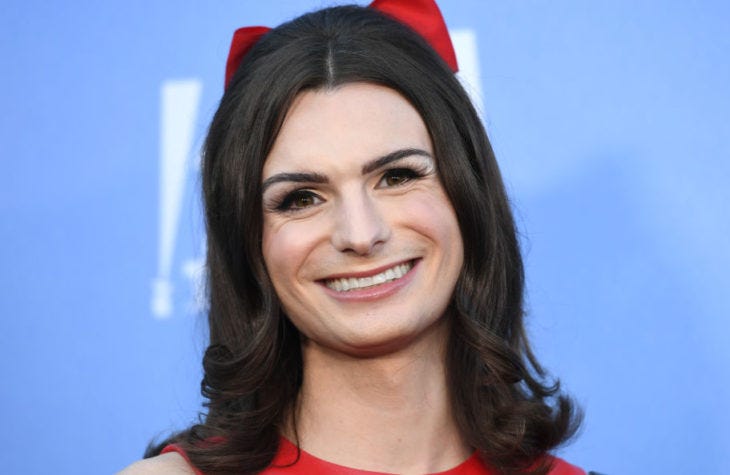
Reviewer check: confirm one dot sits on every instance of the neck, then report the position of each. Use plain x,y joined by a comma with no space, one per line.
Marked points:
395,410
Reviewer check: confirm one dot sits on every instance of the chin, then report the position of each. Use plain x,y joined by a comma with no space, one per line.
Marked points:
371,342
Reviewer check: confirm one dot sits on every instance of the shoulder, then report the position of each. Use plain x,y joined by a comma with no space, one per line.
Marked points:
168,464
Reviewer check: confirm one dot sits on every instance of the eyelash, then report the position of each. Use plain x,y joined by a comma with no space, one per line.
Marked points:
406,174
287,202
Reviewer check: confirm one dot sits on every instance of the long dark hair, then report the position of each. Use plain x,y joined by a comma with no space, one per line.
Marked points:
253,366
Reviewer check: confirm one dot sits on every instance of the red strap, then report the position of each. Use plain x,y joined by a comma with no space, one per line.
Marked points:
423,16
176,448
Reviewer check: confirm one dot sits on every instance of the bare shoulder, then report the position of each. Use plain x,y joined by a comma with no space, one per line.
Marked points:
165,464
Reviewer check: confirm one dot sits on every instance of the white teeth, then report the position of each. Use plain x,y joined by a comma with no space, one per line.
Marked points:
352,283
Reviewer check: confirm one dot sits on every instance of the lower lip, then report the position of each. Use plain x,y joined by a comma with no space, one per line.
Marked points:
374,292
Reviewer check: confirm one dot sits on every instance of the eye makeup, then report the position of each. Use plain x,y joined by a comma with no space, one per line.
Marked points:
296,200
295,192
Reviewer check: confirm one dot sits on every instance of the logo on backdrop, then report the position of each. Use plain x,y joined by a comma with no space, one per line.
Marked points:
179,106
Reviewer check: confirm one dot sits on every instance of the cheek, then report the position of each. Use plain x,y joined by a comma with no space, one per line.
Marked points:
434,219
432,214
275,245
285,249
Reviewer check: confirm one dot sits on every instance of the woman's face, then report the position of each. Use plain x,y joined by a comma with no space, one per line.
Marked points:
360,241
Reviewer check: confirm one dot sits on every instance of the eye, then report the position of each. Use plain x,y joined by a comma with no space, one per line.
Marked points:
298,200
398,176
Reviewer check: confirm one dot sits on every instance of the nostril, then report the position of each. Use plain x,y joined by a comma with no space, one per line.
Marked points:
361,228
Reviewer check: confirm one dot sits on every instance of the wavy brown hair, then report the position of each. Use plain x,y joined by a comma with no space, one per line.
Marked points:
253,366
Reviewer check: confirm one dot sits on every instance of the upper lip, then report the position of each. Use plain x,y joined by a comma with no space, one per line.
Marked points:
366,273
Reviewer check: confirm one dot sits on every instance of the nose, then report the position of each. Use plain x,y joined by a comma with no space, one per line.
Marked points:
360,227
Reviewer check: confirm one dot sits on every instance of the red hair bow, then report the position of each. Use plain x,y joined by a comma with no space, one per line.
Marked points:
423,16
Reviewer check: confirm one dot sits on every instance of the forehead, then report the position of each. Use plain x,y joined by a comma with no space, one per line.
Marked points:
351,123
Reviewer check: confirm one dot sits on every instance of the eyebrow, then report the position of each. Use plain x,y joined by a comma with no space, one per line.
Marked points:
392,157
303,177
294,177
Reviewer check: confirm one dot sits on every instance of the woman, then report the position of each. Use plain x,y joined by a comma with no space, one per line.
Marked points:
365,278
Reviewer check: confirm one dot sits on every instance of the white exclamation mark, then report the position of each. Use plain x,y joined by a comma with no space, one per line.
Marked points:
467,54
179,105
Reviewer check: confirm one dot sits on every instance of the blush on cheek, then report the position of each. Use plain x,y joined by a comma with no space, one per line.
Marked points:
431,210
286,250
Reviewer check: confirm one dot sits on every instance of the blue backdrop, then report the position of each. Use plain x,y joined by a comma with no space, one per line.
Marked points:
611,123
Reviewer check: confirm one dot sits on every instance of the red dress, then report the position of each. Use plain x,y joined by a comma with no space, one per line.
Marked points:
309,464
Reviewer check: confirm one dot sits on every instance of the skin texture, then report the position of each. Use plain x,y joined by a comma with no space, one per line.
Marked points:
355,222
374,357
169,464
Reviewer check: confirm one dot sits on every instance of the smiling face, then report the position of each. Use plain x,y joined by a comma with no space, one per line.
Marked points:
360,240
